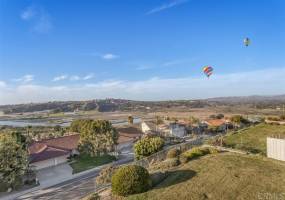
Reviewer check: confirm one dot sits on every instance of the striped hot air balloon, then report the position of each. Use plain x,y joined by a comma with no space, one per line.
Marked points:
208,71
246,42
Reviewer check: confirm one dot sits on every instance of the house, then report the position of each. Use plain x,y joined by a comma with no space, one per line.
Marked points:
149,128
177,129
255,119
127,137
219,124
51,152
55,151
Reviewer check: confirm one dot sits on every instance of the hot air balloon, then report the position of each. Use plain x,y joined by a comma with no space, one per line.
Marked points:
246,41
208,71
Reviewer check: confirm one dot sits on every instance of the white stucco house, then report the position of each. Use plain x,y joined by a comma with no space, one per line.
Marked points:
177,129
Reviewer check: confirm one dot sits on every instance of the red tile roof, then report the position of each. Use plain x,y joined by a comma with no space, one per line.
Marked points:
130,130
68,142
128,134
47,153
51,148
215,122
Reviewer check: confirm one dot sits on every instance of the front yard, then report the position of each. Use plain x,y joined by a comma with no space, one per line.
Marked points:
85,162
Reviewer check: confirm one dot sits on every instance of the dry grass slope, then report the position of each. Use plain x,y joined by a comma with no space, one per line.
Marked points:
254,138
222,176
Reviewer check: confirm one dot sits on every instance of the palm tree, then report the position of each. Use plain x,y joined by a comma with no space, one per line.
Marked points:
130,119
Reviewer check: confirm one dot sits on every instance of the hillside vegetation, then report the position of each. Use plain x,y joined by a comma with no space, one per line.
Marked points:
253,139
222,176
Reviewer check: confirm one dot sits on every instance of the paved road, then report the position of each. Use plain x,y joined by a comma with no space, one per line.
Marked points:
71,190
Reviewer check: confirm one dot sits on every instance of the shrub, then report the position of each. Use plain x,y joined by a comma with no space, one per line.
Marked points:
105,175
197,152
165,165
193,153
131,179
147,146
282,117
213,150
172,153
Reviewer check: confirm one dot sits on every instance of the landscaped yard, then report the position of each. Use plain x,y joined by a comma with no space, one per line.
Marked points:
85,162
253,139
222,176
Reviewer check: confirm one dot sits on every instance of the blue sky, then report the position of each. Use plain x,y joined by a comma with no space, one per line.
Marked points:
145,50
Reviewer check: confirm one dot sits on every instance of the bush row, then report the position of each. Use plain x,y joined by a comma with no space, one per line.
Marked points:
195,153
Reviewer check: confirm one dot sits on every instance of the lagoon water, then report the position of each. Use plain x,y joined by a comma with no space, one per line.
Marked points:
24,123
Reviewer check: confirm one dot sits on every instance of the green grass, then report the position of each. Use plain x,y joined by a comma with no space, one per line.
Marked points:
221,176
253,139
85,162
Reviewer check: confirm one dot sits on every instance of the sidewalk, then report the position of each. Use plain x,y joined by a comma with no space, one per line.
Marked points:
83,174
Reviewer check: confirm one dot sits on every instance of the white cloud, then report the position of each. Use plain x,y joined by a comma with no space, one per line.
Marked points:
25,79
261,82
60,78
109,56
75,78
2,84
88,76
166,6
28,13
38,18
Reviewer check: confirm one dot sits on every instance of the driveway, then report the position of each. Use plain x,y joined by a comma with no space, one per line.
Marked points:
53,175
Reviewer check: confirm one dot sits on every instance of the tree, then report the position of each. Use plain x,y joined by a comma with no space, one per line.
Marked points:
147,146
238,120
77,125
193,120
220,116
130,119
57,128
13,159
96,136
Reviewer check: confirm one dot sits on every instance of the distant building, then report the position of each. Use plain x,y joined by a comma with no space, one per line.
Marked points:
219,124
177,129
149,128
173,129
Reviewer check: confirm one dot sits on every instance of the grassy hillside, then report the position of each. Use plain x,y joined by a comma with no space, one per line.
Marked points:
253,139
222,176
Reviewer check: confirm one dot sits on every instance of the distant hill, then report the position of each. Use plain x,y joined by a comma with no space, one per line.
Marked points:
254,98
109,105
